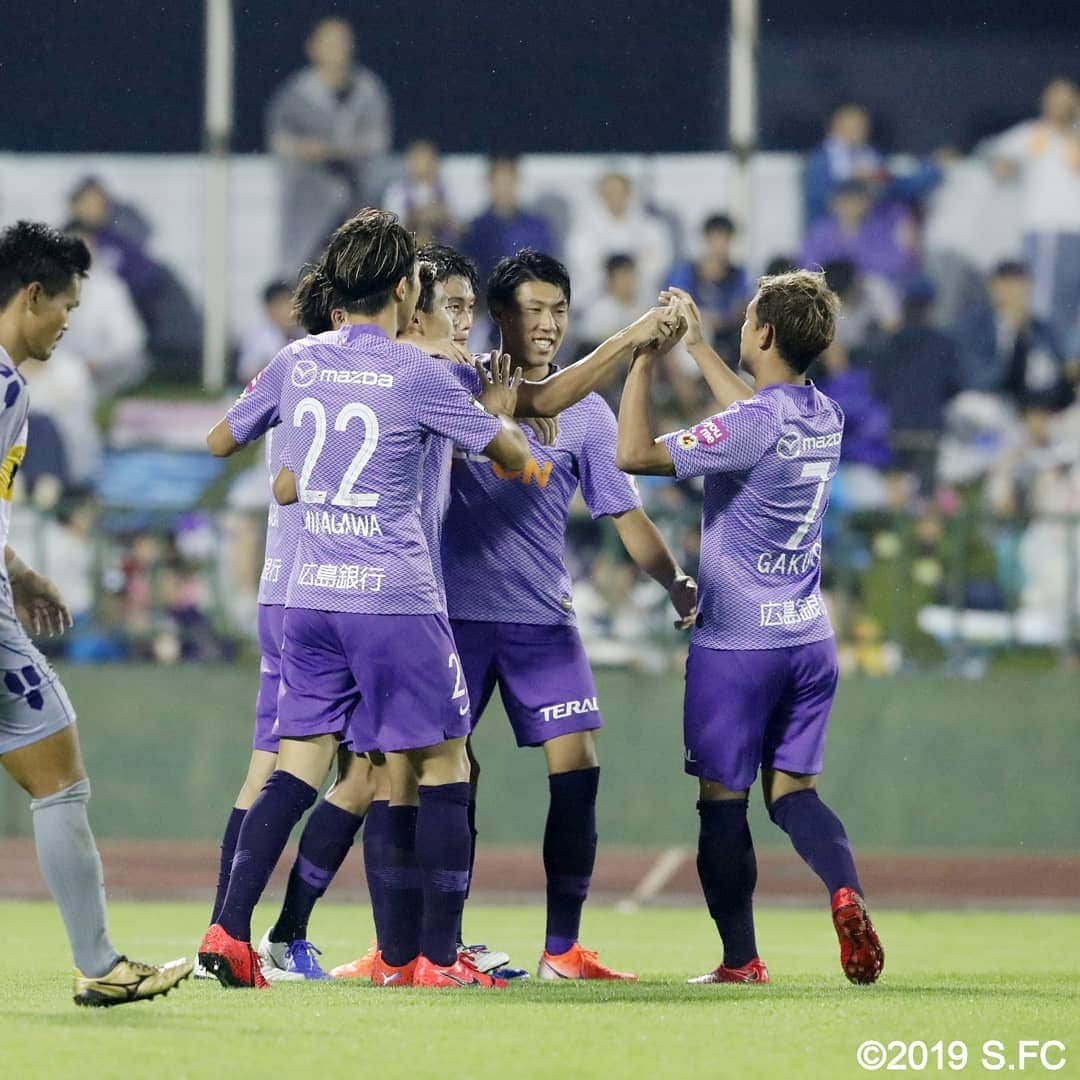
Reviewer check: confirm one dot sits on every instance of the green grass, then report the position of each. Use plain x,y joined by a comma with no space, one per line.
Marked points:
966,976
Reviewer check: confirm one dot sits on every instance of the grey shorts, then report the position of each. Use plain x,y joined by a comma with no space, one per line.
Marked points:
33,701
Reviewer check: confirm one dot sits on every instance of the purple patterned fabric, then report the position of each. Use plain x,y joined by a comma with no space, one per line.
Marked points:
767,462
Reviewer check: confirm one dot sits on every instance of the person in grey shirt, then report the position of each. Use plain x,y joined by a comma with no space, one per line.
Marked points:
330,126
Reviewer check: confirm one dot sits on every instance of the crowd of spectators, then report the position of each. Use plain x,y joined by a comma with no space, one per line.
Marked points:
959,386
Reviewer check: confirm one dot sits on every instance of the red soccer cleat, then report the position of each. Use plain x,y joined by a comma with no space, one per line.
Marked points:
360,968
753,972
384,974
861,954
578,963
457,976
233,962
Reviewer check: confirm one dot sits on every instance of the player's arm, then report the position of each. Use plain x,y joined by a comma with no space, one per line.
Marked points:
649,550
37,600
498,395
221,441
635,449
285,490
725,385
568,386
254,412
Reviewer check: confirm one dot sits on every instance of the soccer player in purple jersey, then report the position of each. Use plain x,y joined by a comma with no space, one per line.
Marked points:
508,527
285,953
367,656
762,671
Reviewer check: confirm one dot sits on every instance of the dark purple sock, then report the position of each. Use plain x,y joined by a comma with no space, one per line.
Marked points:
376,857
817,834
569,853
442,850
324,843
472,857
398,928
263,836
228,850
727,868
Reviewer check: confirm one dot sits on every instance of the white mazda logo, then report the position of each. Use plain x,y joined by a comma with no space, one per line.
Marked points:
789,446
304,372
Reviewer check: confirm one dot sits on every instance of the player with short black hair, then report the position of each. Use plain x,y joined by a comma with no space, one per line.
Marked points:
41,273
508,528
762,670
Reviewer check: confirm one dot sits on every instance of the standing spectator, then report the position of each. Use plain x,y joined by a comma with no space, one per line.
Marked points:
845,154
329,125
618,307
505,227
617,223
271,334
1045,155
878,238
419,198
1006,349
720,287
870,305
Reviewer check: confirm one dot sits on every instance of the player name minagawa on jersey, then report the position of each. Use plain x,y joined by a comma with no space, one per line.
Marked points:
767,462
359,411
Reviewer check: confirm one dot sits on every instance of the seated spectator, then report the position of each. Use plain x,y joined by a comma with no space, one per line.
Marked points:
869,307
615,222
505,226
1006,349
879,238
1044,154
120,233
419,198
720,287
845,154
618,306
916,373
262,342
109,335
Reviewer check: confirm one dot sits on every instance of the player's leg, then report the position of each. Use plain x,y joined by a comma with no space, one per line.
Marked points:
326,839
723,734
793,756
49,768
318,696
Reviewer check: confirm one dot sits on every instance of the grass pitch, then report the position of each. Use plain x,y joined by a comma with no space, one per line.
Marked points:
970,977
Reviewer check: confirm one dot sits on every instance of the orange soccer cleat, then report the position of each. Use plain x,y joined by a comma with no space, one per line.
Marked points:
456,976
861,954
357,969
384,974
578,963
753,972
234,962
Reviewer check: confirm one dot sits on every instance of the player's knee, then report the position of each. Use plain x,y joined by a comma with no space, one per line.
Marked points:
77,792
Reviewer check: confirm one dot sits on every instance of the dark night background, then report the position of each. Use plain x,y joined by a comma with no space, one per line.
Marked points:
121,76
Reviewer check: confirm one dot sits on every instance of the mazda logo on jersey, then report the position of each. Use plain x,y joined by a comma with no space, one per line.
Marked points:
789,446
304,372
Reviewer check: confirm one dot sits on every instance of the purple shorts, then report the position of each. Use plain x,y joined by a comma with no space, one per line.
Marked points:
270,616
378,682
747,708
542,672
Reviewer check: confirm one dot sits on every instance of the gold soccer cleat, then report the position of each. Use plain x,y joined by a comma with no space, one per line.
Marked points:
130,981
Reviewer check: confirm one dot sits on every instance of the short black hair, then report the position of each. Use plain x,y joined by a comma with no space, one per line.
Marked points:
500,159
33,251
617,261
446,263
719,223
312,301
527,265
1010,268
272,290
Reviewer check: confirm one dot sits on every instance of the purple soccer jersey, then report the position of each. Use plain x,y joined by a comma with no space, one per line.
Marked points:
509,529
767,462
358,409
252,415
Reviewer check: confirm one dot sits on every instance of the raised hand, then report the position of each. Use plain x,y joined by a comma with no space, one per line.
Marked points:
684,598
657,326
39,605
499,385
688,311
545,427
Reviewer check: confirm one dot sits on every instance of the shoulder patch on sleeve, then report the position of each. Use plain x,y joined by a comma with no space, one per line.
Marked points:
11,394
